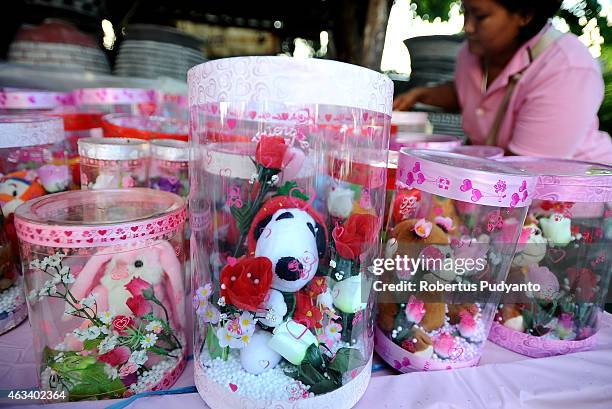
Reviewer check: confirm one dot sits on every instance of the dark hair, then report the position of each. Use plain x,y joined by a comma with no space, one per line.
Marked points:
541,10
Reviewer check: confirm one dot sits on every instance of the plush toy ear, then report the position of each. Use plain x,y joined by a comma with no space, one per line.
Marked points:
90,275
261,226
172,267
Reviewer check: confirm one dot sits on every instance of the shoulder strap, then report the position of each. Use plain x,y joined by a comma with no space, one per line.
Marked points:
547,39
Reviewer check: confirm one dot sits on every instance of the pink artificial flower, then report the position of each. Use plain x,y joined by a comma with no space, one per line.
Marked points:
467,324
415,310
422,228
139,305
443,345
136,285
128,368
115,357
444,222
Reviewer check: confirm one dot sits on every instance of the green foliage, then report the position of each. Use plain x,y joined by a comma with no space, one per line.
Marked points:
605,112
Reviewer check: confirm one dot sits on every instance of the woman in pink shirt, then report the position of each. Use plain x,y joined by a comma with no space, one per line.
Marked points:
547,85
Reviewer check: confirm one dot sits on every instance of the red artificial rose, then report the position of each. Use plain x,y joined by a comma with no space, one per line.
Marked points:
139,305
317,286
408,345
354,236
583,283
270,152
246,283
136,286
115,357
306,313
121,323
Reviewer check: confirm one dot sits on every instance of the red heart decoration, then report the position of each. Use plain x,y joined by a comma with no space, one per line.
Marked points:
89,240
284,116
231,123
68,233
233,387
252,114
328,117
159,223
134,228
38,231
122,237
101,232
57,240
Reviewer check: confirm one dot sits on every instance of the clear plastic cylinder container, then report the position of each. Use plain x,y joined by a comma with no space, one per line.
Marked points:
32,160
411,122
288,176
111,163
172,105
169,169
13,308
144,127
104,278
564,248
443,273
135,101
480,151
17,101
425,141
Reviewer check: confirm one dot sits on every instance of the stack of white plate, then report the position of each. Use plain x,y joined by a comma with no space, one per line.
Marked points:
153,52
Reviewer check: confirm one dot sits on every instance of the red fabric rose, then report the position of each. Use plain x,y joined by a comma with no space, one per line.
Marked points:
270,152
354,236
583,283
246,283
121,323
136,286
317,286
115,357
306,313
139,305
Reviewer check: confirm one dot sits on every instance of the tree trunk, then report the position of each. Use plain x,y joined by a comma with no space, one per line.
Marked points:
374,33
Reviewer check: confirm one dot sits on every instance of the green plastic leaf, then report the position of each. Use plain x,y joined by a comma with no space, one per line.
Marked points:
214,349
291,189
313,356
290,300
91,343
347,359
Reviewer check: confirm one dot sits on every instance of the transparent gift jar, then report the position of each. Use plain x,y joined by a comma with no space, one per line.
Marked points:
111,163
564,249
13,308
169,169
172,105
17,102
442,275
424,141
144,127
281,281
135,101
32,159
104,278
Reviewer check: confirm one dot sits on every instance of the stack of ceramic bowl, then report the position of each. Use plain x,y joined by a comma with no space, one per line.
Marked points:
58,44
151,51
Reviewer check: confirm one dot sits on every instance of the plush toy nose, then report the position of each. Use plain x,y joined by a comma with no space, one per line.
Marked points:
289,268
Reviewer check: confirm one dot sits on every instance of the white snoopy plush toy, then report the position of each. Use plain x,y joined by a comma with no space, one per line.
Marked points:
292,235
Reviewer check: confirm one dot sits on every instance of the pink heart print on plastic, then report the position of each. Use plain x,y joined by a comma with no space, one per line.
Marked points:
416,170
523,186
556,255
476,195
404,363
466,185
252,114
296,332
233,387
515,199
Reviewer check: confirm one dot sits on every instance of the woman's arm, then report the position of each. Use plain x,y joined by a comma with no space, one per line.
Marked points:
443,96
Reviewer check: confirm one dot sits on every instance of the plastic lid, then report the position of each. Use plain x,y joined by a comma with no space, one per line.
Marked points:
113,96
171,150
91,218
465,178
144,127
567,180
19,131
290,81
113,148
409,118
32,99
480,151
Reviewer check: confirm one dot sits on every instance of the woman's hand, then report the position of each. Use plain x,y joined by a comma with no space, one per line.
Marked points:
407,100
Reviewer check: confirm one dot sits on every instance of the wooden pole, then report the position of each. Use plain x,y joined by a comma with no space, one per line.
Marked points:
374,33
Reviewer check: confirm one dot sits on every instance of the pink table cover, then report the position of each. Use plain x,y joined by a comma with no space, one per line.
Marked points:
503,379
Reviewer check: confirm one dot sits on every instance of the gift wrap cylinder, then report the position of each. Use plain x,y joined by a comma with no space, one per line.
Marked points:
116,100
13,309
437,290
17,102
144,127
169,169
104,278
111,163
288,174
564,247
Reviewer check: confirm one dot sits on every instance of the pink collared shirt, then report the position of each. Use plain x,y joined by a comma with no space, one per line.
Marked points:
553,110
